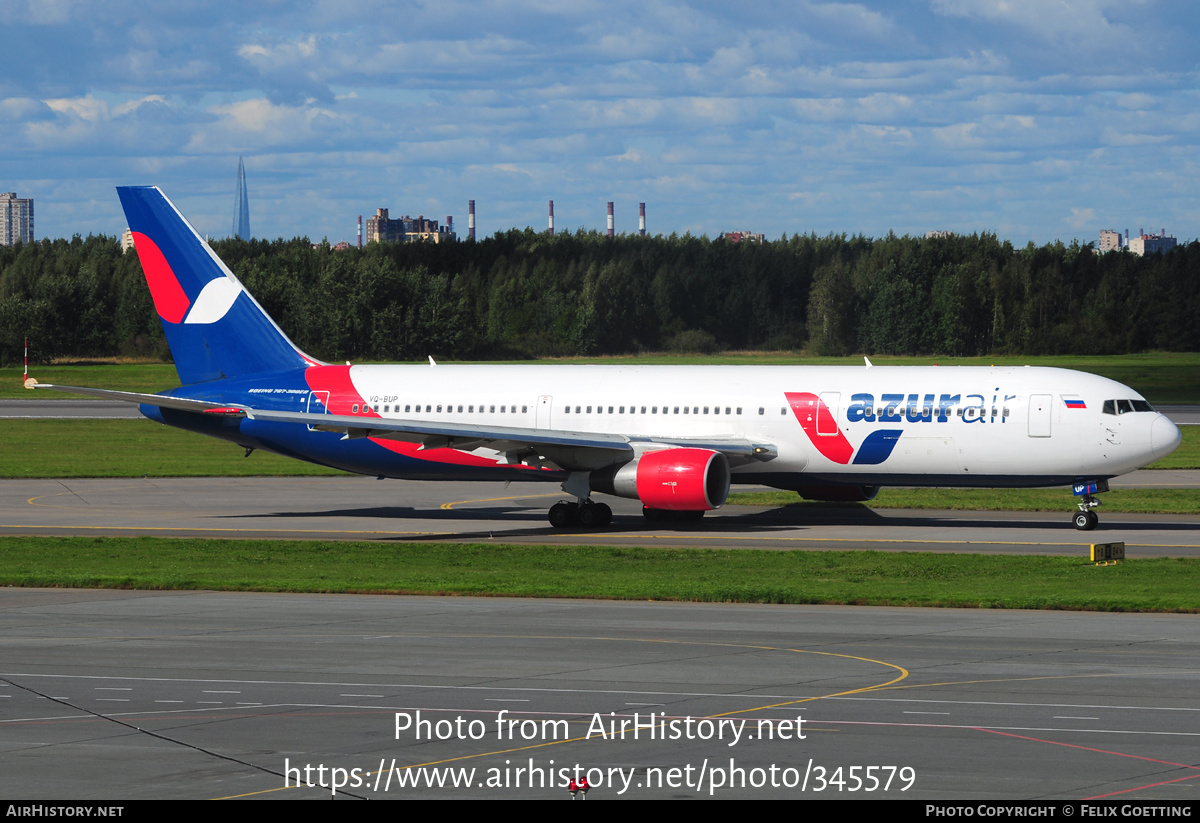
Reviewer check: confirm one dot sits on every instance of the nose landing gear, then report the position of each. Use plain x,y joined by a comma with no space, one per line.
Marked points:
1085,519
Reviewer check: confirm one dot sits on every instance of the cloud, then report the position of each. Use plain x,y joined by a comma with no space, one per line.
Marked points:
1081,218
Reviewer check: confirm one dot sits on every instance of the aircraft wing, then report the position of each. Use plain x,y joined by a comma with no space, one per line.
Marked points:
163,400
573,451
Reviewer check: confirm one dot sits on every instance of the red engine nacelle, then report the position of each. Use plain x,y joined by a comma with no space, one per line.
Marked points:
670,479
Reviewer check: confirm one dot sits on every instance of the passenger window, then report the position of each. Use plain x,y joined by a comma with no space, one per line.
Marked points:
739,408
589,409
610,409
622,409
685,409
761,410
643,410
354,409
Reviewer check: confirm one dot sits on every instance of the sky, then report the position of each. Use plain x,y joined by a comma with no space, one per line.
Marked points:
1035,120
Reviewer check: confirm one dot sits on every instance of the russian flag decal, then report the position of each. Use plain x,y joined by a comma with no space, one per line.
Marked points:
1074,403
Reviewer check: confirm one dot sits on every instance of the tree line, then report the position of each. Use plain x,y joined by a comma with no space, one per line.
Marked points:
523,293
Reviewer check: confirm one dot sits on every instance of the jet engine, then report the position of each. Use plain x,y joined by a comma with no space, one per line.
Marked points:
670,479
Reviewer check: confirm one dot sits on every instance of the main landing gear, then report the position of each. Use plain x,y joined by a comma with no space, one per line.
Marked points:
587,514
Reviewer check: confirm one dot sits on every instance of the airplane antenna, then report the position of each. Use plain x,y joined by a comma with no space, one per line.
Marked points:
868,361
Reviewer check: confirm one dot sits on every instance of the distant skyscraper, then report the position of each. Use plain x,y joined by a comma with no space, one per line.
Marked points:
16,219
241,205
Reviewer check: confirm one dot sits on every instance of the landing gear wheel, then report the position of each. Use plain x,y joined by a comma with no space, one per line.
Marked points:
1086,521
560,515
594,515
588,516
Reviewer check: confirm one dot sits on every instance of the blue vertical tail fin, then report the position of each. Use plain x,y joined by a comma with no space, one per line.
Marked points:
214,327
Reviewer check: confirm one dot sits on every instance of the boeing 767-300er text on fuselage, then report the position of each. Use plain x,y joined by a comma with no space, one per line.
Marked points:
673,437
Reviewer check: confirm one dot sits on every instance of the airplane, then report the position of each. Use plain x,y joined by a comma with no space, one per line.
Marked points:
673,437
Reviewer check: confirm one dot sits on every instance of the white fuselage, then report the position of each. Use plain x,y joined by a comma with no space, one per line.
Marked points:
885,425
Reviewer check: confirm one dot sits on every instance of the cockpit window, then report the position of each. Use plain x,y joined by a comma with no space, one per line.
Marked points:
1126,406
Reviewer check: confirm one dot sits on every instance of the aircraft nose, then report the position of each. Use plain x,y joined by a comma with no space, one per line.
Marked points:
1165,437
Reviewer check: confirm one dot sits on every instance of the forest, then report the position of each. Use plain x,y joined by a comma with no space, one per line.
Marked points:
525,294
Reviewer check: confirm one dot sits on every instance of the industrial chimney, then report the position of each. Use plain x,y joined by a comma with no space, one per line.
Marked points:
360,231
642,219
552,217
470,219
610,219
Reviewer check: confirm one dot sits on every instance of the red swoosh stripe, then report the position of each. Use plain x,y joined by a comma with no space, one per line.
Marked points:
814,414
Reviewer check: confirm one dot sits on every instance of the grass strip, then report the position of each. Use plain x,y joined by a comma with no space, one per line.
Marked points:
617,573
1150,501
131,448
135,377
